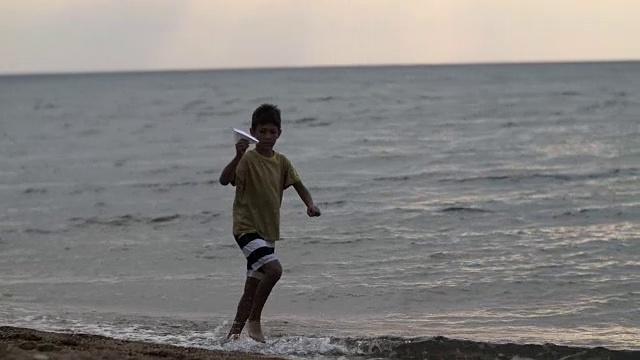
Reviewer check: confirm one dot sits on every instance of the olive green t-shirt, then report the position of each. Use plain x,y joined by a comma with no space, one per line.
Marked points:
260,182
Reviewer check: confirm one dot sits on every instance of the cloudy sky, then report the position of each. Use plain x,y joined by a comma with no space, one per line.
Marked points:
108,35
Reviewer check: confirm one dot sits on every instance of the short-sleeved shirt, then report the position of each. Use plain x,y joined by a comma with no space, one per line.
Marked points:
260,182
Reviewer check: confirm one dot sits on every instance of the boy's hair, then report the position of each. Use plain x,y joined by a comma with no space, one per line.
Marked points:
266,114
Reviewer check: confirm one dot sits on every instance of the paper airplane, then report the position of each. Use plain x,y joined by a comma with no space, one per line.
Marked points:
239,134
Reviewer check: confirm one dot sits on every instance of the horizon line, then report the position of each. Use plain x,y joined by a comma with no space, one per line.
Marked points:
310,67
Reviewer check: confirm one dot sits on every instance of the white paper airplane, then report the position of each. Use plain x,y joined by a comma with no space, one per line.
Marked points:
239,134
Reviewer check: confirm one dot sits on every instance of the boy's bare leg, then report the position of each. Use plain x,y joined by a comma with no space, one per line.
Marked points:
272,273
244,307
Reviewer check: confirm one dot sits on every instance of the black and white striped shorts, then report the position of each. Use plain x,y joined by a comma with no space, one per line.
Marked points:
258,252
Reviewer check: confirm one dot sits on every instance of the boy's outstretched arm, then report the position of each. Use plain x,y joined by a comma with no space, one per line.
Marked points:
305,195
229,171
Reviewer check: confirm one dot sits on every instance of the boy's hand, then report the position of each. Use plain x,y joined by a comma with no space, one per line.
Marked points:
241,147
313,211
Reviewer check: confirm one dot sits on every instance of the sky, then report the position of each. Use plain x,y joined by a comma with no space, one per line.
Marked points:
43,36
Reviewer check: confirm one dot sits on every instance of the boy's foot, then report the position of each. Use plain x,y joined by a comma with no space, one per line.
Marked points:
234,332
255,331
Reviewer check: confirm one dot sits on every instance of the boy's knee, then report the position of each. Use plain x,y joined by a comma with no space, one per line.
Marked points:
273,270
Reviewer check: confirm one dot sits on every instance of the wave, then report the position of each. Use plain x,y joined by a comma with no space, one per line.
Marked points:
503,177
169,169
38,231
332,203
156,186
546,176
310,121
131,219
465,209
570,93
163,187
203,111
605,212
304,120
87,188
322,99
402,177
88,132
34,191
44,105
192,105
393,178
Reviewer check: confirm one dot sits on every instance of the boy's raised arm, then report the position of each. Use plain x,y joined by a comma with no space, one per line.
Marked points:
305,196
229,171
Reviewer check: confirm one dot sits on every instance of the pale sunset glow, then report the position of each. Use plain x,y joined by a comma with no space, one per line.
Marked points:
111,35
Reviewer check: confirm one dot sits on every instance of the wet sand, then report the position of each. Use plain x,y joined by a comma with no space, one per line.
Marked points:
28,344
442,348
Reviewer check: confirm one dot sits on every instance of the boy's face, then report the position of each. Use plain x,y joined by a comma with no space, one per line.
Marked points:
267,134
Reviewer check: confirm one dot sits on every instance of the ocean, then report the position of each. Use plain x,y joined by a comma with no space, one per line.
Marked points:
491,203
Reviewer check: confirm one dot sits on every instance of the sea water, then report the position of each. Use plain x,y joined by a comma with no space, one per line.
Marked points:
492,203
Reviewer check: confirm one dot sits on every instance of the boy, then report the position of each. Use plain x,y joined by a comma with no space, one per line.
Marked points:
260,177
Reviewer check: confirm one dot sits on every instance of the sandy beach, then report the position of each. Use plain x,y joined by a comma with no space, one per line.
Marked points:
28,344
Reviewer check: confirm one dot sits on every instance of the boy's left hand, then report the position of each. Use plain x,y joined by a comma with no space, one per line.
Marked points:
313,211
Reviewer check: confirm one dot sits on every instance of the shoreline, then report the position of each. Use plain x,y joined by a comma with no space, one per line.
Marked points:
28,344
19,343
